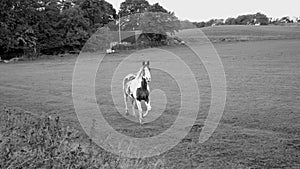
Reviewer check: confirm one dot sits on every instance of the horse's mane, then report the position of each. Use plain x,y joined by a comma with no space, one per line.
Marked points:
139,73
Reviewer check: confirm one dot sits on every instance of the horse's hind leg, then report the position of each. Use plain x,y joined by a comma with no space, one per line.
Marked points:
125,101
133,103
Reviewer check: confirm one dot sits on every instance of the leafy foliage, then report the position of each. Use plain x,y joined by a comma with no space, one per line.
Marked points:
250,19
50,26
230,21
130,12
99,12
129,7
153,20
58,26
159,23
261,19
186,24
74,26
199,24
157,8
99,41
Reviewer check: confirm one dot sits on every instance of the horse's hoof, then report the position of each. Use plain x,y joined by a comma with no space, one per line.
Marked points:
141,122
126,112
149,108
144,115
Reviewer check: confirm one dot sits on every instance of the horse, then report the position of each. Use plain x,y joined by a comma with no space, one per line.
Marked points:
136,89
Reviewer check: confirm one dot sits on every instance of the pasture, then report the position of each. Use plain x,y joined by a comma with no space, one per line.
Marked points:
260,125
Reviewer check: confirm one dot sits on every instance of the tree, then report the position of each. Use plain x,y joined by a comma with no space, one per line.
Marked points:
99,41
140,15
74,28
156,25
186,24
230,21
130,7
159,23
210,22
49,36
7,25
67,4
261,19
157,8
18,20
219,22
199,24
99,13
245,19
50,26
130,13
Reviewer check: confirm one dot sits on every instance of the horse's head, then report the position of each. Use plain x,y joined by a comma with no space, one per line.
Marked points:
147,71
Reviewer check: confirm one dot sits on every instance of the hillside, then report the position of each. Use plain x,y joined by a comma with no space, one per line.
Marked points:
243,33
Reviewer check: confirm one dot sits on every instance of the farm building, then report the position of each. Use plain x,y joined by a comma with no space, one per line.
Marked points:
135,37
126,37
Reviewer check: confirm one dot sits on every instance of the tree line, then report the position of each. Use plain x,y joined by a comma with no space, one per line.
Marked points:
33,27
250,19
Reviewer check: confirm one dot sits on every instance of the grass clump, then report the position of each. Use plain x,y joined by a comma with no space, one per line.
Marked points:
27,141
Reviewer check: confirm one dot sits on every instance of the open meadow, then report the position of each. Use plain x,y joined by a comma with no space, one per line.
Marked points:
260,126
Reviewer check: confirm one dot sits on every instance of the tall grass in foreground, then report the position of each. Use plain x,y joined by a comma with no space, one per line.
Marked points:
27,141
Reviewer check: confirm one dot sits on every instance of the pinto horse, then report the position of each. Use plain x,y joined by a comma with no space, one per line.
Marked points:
136,89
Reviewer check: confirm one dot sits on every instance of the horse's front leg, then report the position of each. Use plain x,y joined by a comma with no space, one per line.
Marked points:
148,104
148,108
133,107
125,101
139,105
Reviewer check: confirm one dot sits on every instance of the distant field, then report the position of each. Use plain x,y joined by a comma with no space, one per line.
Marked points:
260,125
247,33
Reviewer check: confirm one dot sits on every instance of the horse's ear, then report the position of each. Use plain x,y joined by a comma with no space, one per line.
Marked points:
148,63
143,63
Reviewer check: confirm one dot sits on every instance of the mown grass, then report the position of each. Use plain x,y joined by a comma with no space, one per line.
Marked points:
31,142
262,80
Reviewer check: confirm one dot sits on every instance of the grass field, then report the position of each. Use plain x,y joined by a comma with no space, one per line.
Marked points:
260,125
246,33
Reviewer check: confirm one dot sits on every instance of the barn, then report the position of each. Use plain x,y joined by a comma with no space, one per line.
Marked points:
129,37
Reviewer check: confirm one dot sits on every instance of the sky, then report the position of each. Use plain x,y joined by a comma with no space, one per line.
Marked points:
198,10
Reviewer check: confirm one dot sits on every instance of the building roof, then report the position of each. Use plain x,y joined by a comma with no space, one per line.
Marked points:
125,35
